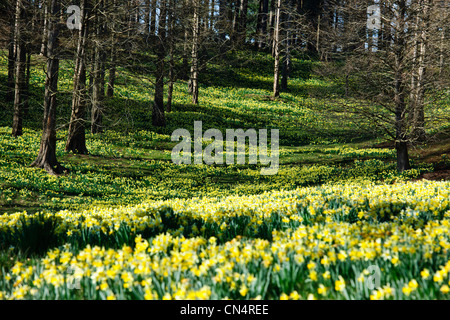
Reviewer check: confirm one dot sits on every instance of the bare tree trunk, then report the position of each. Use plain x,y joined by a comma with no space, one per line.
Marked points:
171,82
287,54
158,117
276,39
419,114
402,156
153,18
442,52
194,53
222,21
272,19
112,60
76,141
414,65
11,56
262,23
46,158
416,109
185,59
171,54
401,138
242,22
26,91
20,67
112,73
44,29
212,14
137,15
382,33
312,10
318,37
98,89
147,10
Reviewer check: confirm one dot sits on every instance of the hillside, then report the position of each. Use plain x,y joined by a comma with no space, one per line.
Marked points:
336,207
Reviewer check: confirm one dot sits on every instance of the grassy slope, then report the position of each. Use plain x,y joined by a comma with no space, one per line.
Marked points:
132,163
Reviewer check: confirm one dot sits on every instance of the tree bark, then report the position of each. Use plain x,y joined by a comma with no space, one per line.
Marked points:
170,22
147,10
98,89
287,54
26,92
242,22
112,74
76,141
222,21
20,68
262,23
194,54
153,18
44,29
401,138
271,24
212,4
418,112
442,51
46,158
113,53
312,9
11,56
402,156
276,39
158,116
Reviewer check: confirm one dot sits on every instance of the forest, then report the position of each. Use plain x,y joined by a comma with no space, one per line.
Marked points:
224,149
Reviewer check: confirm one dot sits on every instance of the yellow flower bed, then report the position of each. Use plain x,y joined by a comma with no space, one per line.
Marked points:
325,242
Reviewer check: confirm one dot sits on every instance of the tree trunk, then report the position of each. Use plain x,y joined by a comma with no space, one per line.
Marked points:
401,138
20,67
185,59
381,41
76,141
98,89
158,117
259,23
147,10
317,49
276,39
26,92
402,156
271,22
171,55
46,158
212,4
312,9
242,22
194,53
287,54
11,57
171,84
418,112
223,20
44,29
112,60
442,52
386,28
262,23
153,18
112,74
